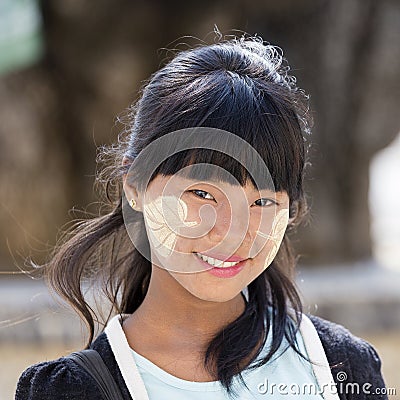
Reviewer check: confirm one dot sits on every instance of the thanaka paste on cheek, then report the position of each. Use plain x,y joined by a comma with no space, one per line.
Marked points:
276,235
164,216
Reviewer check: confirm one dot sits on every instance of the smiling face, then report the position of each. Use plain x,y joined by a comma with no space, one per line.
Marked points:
212,237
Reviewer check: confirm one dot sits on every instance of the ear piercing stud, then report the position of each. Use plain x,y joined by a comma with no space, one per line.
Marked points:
132,203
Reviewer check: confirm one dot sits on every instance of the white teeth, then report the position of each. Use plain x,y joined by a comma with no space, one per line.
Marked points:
215,262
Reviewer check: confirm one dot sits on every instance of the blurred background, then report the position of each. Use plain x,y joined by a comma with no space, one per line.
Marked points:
69,68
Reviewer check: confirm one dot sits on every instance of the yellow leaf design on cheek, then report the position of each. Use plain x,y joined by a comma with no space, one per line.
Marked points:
164,216
277,233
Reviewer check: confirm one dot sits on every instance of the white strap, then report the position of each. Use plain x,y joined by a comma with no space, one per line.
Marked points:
317,355
134,382
125,360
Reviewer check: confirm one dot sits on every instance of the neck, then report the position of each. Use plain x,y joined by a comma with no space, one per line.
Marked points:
170,315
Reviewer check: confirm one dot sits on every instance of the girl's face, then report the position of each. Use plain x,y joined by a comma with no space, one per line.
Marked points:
212,237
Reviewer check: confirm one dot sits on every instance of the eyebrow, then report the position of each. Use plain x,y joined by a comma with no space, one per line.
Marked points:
279,193
215,182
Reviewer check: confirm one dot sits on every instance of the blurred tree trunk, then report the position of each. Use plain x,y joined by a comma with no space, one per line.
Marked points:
54,114
345,53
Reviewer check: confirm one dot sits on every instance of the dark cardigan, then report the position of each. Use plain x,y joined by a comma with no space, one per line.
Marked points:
62,379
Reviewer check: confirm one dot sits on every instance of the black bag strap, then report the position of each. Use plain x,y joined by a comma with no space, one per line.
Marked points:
92,362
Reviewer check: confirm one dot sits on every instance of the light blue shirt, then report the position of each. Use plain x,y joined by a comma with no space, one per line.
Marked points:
286,376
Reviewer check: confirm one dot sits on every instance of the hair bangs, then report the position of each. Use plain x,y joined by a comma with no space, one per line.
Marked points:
271,161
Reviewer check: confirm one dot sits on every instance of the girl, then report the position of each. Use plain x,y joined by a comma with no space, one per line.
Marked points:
194,254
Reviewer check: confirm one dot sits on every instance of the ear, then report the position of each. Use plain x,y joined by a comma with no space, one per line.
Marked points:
130,191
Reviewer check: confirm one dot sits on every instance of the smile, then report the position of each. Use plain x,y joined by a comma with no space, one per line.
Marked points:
215,262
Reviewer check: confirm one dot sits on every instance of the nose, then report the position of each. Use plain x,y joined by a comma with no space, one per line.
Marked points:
232,226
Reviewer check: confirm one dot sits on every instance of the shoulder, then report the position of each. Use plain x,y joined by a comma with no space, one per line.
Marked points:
56,379
349,354
60,379
337,339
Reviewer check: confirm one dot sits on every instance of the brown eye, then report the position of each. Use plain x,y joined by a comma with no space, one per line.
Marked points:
265,202
203,194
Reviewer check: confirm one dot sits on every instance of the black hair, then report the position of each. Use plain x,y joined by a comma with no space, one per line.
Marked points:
240,85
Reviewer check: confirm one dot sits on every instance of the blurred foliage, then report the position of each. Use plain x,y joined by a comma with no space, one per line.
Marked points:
21,41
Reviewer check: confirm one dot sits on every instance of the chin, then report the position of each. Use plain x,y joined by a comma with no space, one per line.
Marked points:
215,298
205,291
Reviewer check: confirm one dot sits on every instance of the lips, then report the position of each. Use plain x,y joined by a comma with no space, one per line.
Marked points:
221,261
222,269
